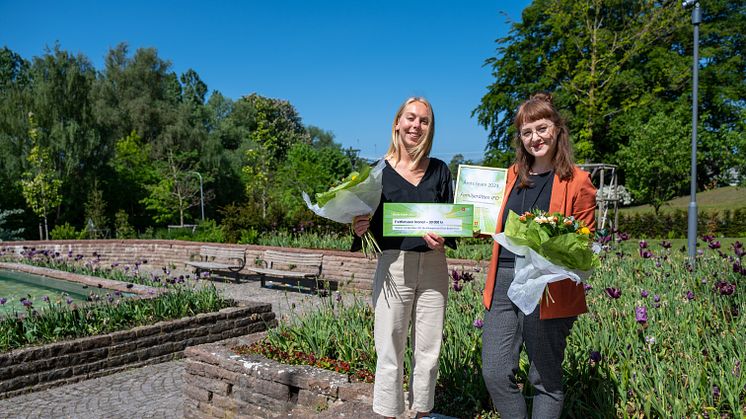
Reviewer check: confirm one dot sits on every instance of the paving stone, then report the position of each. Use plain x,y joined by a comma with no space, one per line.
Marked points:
152,391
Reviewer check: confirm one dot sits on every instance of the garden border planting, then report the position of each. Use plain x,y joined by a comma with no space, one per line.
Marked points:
351,271
41,367
220,383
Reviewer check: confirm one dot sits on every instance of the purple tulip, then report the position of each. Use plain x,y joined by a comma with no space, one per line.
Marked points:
623,236
587,288
641,314
69,300
337,296
715,392
644,294
725,288
478,323
689,295
738,249
613,292
714,244
457,286
666,244
3,300
595,356
707,238
643,244
45,298
26,302
467,276
455,275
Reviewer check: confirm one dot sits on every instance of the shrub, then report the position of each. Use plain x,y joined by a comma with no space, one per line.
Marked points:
65,232
674,224
122,227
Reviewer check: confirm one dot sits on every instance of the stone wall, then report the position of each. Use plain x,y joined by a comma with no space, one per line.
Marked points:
37,368
219,383
349,270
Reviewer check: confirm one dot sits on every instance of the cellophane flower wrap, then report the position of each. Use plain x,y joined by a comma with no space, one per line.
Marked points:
548,248
357,194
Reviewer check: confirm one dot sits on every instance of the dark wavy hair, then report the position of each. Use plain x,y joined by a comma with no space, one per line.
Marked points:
540,106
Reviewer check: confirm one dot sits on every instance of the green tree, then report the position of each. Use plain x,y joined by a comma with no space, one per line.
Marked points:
95,213
663,172
307,169
133,170
40,184
607,60
175,191
9,234
15,102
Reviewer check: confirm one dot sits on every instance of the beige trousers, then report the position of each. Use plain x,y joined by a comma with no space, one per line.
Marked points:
408,287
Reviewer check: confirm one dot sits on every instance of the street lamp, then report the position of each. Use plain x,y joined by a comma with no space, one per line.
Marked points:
201,196
692,230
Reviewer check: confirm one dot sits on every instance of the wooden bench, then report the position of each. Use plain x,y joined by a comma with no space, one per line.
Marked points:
284,265
214,258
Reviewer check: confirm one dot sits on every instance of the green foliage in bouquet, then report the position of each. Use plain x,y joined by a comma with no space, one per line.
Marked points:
353,179
561,240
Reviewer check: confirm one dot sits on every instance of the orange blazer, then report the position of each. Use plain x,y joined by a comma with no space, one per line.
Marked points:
576,197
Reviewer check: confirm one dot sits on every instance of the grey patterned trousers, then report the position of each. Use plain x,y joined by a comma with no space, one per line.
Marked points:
506,330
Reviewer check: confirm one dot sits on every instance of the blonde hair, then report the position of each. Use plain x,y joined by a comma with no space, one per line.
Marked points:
422,150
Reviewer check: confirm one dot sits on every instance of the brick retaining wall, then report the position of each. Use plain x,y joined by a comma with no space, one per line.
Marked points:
37,368
220,383
350,270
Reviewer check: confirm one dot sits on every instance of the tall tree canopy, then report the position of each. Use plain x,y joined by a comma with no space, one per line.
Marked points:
131,139
615,64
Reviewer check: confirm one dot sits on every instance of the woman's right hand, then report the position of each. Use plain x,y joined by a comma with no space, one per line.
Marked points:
360,224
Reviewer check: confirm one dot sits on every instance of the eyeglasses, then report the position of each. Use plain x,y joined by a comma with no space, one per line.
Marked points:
542,131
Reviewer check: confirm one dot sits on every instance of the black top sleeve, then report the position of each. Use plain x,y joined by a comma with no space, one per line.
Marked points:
436,186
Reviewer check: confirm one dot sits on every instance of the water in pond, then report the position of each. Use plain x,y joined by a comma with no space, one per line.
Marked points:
17,285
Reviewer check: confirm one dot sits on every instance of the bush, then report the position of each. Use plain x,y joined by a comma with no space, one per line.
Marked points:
66,232
122,227
674,224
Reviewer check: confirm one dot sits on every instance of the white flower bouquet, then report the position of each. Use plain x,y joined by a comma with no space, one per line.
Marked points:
357,194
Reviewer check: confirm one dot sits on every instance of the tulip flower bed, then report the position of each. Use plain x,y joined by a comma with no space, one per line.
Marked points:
92,266
662,339
54,319
51,321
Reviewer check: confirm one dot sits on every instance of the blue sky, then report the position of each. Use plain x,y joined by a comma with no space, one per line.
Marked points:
344,65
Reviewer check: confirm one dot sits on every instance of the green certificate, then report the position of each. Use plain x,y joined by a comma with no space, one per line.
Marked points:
484,187
416,219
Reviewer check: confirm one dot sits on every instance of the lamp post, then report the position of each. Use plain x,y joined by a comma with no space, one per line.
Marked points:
201,196
692,230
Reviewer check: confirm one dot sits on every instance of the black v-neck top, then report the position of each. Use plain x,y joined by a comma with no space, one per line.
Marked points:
436,186
520,200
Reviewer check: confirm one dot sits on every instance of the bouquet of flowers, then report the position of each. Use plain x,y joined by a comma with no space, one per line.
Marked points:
357,194
548,248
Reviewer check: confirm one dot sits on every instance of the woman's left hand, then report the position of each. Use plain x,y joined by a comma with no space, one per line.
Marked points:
435,242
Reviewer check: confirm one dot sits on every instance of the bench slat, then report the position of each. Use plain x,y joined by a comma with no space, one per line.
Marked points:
282,273
211,265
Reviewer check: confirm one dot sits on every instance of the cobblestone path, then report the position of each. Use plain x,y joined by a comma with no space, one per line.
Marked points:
152,391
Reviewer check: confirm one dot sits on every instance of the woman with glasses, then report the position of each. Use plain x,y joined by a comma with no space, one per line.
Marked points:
544,177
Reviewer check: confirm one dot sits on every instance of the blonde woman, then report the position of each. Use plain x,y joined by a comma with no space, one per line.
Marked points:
411,279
